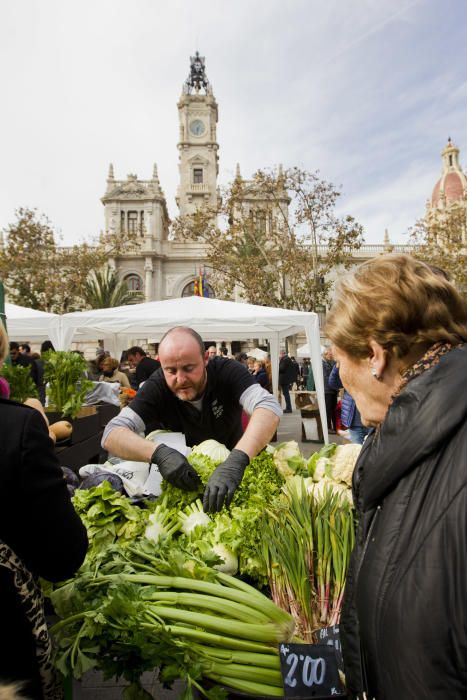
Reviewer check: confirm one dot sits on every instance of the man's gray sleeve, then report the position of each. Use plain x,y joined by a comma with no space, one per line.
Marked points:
127,418
257,397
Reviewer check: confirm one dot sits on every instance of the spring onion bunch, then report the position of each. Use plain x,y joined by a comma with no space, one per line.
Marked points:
307,541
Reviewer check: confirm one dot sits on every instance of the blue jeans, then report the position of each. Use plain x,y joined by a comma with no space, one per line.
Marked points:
358,433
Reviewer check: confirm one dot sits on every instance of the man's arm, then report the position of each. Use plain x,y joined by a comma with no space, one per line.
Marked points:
124,443
260,429
121,438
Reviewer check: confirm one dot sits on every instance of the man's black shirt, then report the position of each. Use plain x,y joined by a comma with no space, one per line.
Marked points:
220,416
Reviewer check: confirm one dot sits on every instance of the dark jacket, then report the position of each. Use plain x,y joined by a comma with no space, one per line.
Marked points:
262,378
38,522
220,416
328,366
406,594
145,368
287,371
349,412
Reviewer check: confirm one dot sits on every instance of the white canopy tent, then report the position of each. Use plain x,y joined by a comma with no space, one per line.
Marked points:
25,324
211,318
304,350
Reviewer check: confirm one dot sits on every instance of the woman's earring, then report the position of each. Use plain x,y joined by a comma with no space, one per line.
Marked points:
375,374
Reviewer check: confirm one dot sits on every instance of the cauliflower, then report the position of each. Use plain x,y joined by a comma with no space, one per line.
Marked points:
345,458
320,490
288,458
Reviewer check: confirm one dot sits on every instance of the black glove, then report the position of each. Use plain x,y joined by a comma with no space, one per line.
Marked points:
175,468
224,480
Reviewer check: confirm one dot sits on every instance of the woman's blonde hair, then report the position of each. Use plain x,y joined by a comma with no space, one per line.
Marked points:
399,302
4,344
111,362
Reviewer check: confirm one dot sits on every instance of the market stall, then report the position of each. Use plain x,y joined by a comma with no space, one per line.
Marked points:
211,318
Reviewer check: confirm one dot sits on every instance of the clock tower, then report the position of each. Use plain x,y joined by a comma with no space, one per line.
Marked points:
197,147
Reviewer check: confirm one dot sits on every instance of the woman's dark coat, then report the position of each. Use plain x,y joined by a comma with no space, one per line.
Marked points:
407,583
38,522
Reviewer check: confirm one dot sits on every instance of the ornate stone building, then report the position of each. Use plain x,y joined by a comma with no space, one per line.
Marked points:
450,192
161,267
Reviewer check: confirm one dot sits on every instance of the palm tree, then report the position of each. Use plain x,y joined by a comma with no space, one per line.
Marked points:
104,289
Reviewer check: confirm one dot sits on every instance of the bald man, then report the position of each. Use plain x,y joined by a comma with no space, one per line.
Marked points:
203,399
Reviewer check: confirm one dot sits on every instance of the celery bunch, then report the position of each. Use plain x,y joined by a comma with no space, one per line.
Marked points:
142,607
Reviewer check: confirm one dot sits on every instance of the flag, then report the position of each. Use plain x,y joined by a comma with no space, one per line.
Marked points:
205,287
196,287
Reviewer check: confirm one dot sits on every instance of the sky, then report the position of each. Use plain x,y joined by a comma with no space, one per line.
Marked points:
365,91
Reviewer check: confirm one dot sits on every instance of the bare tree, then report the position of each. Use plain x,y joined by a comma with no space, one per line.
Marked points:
441,241
275,239
40,274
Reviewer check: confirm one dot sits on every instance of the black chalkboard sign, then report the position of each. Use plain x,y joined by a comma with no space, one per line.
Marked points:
330,635
309,671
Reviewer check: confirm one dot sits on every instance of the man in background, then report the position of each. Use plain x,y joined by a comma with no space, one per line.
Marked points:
23,360
143,364
287,376
212,352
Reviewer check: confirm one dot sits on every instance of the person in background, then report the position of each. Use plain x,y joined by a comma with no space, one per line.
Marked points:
260,374
43,537
268,368
202,399
241,357
399,331
46,346
20,359
95,366
111,373
143,364
212,352
297,373
25,349
330,394
310,380
349,414
287,375
250,363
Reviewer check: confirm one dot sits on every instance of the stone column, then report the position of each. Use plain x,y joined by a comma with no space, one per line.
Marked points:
148,278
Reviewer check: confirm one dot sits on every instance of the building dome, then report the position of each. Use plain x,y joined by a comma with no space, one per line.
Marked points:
452,185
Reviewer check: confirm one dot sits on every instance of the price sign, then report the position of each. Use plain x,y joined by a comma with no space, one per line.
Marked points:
330,636
309,671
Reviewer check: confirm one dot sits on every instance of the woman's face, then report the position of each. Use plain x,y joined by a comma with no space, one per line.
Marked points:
371,395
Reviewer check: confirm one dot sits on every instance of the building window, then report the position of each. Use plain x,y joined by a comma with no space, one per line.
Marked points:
261,222
134,283
190,291
132,221
450,161
197,176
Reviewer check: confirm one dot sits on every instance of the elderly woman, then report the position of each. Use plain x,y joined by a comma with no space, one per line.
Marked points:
111,373
40,535
398,329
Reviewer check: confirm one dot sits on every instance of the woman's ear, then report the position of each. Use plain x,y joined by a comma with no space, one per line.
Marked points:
378,359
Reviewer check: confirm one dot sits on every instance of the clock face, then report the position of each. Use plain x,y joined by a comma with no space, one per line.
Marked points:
197,127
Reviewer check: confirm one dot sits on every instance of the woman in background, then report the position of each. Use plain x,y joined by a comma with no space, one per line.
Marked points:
111,373
399,332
